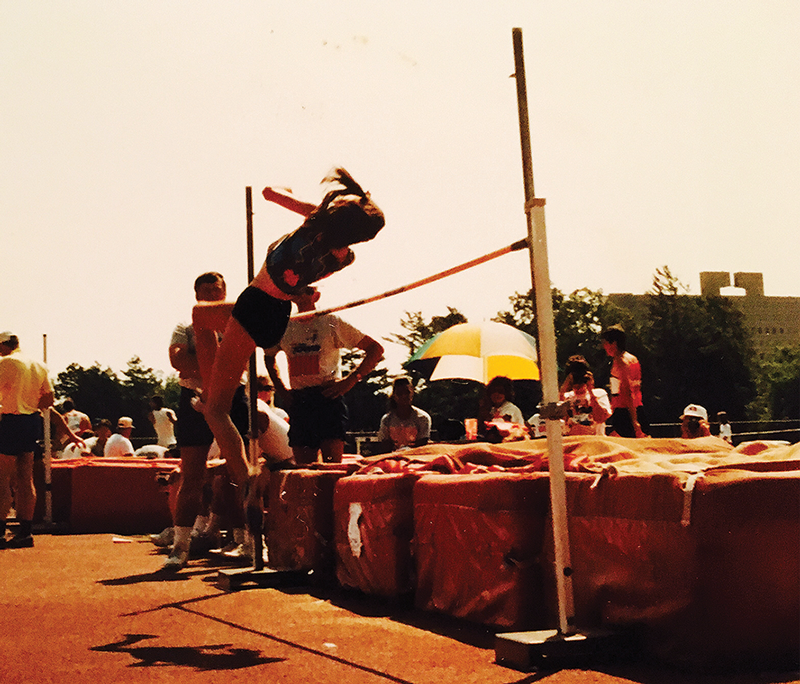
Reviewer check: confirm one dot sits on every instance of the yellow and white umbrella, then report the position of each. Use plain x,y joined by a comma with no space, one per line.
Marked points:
477,351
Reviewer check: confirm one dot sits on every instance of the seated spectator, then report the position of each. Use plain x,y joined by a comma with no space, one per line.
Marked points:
266,394
694,422
76,421
404,425
273,429
96,445
588,408
496,403
119,444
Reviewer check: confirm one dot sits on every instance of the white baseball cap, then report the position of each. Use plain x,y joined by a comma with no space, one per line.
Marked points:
695,411
125,422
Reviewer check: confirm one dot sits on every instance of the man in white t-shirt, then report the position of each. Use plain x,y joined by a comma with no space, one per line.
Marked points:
317,411
119,444
163,420
77,421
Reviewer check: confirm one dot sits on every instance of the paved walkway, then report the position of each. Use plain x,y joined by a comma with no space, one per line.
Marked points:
90,609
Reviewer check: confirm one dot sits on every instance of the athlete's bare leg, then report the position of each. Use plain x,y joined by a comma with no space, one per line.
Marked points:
230,362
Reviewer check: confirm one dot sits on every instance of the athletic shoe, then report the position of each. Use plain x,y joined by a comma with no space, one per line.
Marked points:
20,542
164,538
230,546
239,552
176,561
201,544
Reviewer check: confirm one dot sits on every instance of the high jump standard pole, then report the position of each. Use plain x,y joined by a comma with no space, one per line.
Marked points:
255,514
48,453
529,650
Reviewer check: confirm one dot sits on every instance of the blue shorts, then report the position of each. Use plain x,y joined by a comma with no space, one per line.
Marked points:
313,418
263,316
19,433
192,429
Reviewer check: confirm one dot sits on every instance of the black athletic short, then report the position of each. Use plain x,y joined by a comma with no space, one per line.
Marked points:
263,316
192,429
620,422
19,433
313,418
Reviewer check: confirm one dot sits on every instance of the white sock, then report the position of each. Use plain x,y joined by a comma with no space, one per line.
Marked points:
200,524
213,526
182,535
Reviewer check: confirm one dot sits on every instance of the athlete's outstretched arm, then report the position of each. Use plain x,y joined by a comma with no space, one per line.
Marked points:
284,198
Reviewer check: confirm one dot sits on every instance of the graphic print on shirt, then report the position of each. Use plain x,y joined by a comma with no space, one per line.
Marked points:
580,409
304,357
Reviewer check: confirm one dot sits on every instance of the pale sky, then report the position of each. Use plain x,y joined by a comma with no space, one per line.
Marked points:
662,133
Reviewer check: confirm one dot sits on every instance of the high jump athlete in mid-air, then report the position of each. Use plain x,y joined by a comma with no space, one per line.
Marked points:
319,247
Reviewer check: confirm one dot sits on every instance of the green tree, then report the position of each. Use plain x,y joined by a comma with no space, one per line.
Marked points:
578,319
96,391
101,393
779,384
139,384
419,332
172,392
696,350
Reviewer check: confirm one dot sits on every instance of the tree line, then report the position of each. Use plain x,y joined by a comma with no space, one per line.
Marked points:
693,349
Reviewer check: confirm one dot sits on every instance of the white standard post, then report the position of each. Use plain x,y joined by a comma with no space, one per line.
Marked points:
537,239
555,443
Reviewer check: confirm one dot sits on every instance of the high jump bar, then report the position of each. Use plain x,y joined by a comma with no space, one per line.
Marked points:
516,246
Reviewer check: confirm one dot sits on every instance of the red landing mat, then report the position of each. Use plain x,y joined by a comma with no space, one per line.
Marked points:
478,541
373,526
300,519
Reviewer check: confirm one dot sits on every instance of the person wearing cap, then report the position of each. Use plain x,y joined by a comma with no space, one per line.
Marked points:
25,391
96,445
119,444
694,422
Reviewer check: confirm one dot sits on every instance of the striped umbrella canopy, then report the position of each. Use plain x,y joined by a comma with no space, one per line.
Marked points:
477,351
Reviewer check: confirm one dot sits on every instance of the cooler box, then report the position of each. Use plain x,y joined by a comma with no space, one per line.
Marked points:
478,542
373,527
299,520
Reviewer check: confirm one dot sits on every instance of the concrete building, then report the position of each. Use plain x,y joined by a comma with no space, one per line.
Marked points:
772,321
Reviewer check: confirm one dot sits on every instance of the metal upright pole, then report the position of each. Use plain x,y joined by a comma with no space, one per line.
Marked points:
255,512
534,210
548,648
48,452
